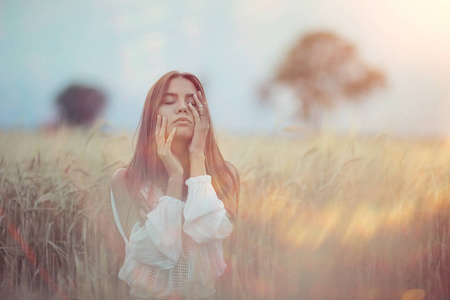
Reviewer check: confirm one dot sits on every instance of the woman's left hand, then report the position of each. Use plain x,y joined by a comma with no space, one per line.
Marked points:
201,124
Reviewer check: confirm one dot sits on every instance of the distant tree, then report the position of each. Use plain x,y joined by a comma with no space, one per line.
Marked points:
77,106
80,105
323,69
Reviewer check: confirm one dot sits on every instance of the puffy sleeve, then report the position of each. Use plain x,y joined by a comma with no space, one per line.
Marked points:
158,243
205,217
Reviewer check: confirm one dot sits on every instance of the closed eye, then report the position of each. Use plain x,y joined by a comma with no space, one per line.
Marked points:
169,100
190,99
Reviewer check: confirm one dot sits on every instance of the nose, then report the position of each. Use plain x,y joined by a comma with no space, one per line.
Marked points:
182,108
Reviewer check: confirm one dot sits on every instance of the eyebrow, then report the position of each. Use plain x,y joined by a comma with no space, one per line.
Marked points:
175,95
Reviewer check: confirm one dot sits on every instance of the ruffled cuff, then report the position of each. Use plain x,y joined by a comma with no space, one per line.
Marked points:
170,202
201,199
198,181
205,218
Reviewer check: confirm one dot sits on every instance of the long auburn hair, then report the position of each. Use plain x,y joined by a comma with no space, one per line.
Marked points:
146,166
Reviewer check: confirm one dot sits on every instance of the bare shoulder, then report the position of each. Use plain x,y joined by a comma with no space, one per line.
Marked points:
123,200
118,184
233,170
119,187
118,179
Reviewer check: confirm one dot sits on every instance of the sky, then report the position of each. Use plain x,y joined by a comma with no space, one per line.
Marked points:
233,46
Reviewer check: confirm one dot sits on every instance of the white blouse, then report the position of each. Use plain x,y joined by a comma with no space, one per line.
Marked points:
167,257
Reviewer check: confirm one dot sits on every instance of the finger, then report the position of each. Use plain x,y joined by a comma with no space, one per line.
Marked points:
195,113
162,132
158,124
158,140
202,99
199,101
170,138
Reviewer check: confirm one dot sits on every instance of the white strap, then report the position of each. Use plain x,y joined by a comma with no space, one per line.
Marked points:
116,218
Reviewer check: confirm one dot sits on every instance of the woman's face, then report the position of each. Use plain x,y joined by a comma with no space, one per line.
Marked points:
174,107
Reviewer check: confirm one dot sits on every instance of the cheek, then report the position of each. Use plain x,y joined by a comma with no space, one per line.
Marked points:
162,112
168,129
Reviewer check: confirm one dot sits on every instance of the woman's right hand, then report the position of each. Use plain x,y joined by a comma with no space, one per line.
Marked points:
170,161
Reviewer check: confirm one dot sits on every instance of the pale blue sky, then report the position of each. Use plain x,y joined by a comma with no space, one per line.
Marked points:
124,46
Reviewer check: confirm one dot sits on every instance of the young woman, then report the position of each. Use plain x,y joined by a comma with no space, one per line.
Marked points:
174,202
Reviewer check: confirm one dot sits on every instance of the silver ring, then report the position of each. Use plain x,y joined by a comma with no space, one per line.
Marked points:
200,106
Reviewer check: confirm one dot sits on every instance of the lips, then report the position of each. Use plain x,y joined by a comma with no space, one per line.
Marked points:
182,120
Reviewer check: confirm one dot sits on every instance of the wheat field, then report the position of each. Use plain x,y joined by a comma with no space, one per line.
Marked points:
321,216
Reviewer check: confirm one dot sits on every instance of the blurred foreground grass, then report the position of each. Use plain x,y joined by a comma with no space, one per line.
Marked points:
321,217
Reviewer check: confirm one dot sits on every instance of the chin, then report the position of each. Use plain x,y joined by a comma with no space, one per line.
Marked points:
184,134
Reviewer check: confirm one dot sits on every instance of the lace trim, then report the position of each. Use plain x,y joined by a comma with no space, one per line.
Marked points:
180,274
144,285
151,275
